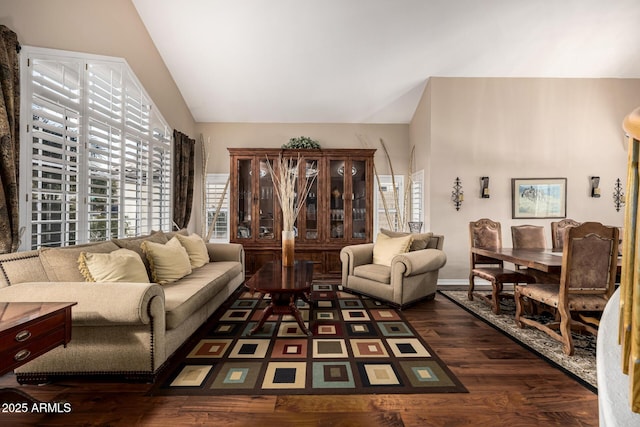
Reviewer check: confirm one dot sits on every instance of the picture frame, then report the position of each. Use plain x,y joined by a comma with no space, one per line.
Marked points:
538,198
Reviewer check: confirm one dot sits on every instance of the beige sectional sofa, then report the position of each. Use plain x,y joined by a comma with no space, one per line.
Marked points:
125,329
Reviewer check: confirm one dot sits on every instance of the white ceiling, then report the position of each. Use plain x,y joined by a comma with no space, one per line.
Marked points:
367,61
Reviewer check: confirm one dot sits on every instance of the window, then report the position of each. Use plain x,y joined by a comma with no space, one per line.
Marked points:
217,194
417,196
96,153
381,219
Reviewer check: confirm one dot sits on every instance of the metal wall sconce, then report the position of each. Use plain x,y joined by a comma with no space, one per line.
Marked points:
618,195
484,187
595,189
457,195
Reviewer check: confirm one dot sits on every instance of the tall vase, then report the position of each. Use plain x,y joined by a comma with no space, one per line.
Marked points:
288,248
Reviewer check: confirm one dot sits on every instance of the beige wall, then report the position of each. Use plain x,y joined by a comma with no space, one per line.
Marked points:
100,27
518,128
219,136
420,138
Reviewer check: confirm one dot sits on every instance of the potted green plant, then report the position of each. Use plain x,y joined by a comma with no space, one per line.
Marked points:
302,142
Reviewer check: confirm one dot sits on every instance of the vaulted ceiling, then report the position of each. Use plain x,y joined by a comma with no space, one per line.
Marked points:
368,61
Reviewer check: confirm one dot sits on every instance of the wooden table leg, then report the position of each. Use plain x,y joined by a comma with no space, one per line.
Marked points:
265,315
298,316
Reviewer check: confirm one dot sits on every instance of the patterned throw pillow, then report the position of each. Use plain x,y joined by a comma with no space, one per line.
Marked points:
121,265
168,262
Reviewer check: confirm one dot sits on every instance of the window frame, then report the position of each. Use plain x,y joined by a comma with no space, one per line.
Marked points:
220,179
110,111
378,213
417,197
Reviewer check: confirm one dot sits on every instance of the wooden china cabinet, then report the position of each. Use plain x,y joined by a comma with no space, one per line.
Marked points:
338,210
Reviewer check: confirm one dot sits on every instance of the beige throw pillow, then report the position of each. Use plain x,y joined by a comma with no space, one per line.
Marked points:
385,248
420,240
121,265
168,262
196,249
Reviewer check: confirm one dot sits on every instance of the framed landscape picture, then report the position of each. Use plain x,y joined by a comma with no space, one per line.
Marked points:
539,197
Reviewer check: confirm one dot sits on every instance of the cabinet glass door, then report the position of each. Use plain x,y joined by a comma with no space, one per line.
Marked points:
336,197
359,203
310,228
267,203
245,197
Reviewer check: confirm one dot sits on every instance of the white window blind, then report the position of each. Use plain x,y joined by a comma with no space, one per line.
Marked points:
54,153
417,196
215,191
395,212
100,153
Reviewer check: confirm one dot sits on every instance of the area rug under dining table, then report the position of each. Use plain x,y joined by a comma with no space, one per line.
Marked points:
581,366
359,346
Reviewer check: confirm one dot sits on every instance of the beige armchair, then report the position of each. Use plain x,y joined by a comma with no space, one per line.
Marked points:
412,276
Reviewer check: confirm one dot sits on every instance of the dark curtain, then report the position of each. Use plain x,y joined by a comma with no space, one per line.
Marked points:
9,140
184,166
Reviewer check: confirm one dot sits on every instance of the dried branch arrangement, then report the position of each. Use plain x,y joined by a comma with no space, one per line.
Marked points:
284,174
395,221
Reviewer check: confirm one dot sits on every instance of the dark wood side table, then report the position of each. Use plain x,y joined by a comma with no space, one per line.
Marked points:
285,285
28,330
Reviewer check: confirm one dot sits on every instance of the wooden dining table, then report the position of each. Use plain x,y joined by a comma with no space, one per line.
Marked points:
548,261
545,260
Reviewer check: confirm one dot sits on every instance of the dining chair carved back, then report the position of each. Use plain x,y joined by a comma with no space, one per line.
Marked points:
487,234
558,229
587,280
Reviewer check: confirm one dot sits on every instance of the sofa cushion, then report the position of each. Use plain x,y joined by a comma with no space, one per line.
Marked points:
186,296
376,272
121,265
196,249
385,248
61,264
133,243
420,240
168,262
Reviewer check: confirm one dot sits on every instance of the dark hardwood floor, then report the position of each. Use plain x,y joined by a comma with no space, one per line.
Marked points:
508,386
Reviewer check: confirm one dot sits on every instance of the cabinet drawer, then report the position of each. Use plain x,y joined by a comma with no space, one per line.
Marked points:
30,331
21,354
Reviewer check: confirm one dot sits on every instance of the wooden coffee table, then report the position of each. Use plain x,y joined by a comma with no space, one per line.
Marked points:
285,285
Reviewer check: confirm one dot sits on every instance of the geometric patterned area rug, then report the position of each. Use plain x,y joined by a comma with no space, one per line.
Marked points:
581,366
358,346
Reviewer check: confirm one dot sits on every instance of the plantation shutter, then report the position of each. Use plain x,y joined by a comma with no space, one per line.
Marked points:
161,176
215,190
417,196
55,118
104,151
99,163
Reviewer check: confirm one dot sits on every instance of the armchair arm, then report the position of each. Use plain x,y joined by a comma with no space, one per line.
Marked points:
225,252
357,255
419,262
100,303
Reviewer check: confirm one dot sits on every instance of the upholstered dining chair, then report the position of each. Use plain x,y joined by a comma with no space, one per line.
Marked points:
528,236
557,231
587,280
487,234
